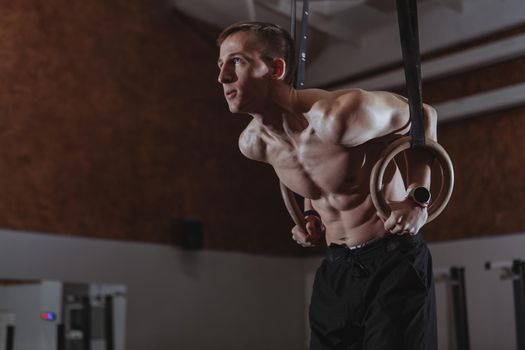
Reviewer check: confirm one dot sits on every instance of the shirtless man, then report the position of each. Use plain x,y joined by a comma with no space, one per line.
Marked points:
374,290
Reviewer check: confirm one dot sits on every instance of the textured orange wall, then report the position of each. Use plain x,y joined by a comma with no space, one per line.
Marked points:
113,124
487,152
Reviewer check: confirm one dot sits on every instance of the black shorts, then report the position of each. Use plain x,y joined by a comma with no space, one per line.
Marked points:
377,297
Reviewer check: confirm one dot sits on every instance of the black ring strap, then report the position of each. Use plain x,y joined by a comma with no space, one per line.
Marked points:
408,32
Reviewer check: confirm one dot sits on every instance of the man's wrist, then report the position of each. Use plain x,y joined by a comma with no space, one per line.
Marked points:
311,212
420,196
315,214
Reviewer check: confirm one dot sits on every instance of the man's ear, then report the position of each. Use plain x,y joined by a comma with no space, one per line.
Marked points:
279,69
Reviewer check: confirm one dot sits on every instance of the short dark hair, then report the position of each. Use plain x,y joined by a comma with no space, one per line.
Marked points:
278,43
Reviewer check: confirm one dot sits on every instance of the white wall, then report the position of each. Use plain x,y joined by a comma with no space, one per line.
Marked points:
118,292
7,318
26,302
219,300
176,299
489,300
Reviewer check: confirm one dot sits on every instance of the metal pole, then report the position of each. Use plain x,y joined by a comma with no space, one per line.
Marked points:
108,322
459,300
61,337
86,323
515,270
299,84
518,283
10,338
293,14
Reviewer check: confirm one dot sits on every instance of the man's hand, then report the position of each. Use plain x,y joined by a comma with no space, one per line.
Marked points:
406,217
315,231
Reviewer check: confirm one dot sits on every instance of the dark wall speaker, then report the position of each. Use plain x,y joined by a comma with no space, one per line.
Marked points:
188,233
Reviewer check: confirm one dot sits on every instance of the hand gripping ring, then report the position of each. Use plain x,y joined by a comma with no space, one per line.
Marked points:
394,148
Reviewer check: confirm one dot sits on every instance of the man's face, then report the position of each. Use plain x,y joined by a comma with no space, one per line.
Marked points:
244,75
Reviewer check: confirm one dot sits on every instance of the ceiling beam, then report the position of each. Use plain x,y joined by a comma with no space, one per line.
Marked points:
324,24
250,6
482,103
456,5
454,63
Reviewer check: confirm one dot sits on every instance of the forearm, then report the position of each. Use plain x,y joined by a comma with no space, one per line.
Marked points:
419,168
308,204
420,160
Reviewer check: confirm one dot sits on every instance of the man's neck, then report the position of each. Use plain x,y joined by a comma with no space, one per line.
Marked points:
281,114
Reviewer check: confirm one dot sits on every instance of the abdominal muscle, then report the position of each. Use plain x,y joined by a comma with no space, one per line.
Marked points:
342,198
352,226
351,218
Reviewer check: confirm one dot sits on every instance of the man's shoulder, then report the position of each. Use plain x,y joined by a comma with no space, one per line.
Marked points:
252,132
337,103
335,106
316,97
365,97
354,116
251,141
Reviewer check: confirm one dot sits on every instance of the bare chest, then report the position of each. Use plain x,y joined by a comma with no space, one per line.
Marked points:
315,169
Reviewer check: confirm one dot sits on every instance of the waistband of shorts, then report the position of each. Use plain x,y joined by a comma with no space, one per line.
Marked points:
387,243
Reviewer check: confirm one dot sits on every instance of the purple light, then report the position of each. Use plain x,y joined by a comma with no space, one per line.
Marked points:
48,316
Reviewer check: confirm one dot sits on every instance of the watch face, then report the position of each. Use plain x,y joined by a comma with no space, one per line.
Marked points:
422,195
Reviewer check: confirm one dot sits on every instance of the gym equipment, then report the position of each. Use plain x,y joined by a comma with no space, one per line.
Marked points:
515,271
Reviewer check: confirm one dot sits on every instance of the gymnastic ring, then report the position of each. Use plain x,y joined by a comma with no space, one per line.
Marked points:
293,208
394,148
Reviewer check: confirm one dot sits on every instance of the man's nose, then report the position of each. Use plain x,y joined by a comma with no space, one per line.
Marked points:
225,75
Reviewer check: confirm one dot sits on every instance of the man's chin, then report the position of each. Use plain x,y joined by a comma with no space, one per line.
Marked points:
234,109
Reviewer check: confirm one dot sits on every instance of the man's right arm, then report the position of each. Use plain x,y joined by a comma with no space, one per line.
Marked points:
314,228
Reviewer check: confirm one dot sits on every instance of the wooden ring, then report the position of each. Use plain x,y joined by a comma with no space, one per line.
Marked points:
394,148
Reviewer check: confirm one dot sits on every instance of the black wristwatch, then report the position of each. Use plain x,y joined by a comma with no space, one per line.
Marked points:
420,195
312,212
